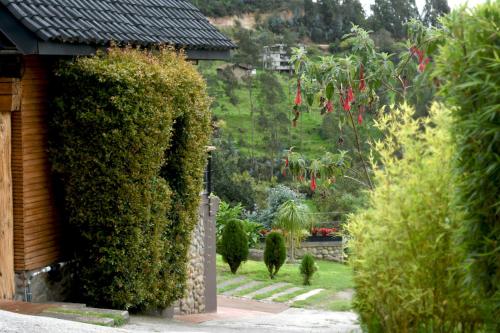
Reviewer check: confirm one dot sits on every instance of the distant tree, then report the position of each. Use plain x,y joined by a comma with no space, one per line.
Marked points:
392,15
270,98
433,10
352,13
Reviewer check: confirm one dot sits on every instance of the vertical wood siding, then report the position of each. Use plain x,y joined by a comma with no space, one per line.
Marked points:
36,226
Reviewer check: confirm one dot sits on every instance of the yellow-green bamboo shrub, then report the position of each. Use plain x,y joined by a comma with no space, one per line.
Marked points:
405,259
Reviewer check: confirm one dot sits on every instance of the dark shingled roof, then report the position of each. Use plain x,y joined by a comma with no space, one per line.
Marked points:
138,22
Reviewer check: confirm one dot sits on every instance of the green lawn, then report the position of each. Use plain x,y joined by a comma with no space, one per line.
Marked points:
331,276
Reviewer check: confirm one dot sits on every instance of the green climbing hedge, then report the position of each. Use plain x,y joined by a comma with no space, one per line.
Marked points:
128,135
468,65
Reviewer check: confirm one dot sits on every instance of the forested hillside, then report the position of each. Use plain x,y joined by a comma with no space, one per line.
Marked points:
252,113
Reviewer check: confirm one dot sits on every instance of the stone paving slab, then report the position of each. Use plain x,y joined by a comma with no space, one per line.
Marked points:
79,318
305,296
267,289
230,282
248,285
283,293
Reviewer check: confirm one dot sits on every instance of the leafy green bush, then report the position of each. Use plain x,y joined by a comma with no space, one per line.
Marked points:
307,268
407,267
468,64
227,213
234,245
274,253
276,197
128,131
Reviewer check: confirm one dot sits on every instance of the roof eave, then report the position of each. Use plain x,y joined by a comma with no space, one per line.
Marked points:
28,43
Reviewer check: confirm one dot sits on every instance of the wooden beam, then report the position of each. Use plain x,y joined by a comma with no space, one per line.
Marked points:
6,210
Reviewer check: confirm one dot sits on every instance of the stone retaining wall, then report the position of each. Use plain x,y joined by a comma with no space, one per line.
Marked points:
201,284
322,250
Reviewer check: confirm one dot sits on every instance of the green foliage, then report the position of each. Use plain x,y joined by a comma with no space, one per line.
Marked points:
276,197
407,266
307,268
292,217
274,253
128,131
234,245
468,65
227,213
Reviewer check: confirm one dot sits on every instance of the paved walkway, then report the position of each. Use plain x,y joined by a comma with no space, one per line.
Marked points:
234,315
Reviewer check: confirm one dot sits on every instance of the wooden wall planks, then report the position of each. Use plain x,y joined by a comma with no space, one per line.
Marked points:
37,231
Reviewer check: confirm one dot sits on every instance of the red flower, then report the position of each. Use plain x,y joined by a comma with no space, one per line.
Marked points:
329,106
284,172
421,66
360,118
313,183
350,95
286,162
298,97
314,231
345,103
362,83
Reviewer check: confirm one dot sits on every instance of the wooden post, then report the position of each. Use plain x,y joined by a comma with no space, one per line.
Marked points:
10,100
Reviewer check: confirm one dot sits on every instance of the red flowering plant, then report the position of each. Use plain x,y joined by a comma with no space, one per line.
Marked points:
357,80
324,232
324,170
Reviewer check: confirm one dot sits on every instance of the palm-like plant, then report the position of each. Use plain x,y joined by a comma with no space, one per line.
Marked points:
292,217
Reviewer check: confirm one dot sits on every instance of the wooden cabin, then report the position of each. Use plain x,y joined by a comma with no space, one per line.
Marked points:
34,34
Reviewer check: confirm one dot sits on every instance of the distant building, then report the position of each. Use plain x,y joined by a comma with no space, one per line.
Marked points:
277,58
240,71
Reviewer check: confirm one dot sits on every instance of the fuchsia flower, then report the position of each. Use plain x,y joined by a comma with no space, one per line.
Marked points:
346,105
329,106
298,96
422,60
313,183
360,119
350,95
421,66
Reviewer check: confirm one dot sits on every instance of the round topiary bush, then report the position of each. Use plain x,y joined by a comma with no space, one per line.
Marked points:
307,268
234,245
274,253
128,131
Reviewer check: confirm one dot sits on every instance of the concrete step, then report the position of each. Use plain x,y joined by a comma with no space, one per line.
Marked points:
81,313
248,285
104,321
229,282
282,293
305,296
267,289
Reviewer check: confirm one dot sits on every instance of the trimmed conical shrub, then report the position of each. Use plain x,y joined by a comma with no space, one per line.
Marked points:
234,245
274,253
307,268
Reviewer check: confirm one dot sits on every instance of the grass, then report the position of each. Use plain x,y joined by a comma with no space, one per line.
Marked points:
237,118
331,276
